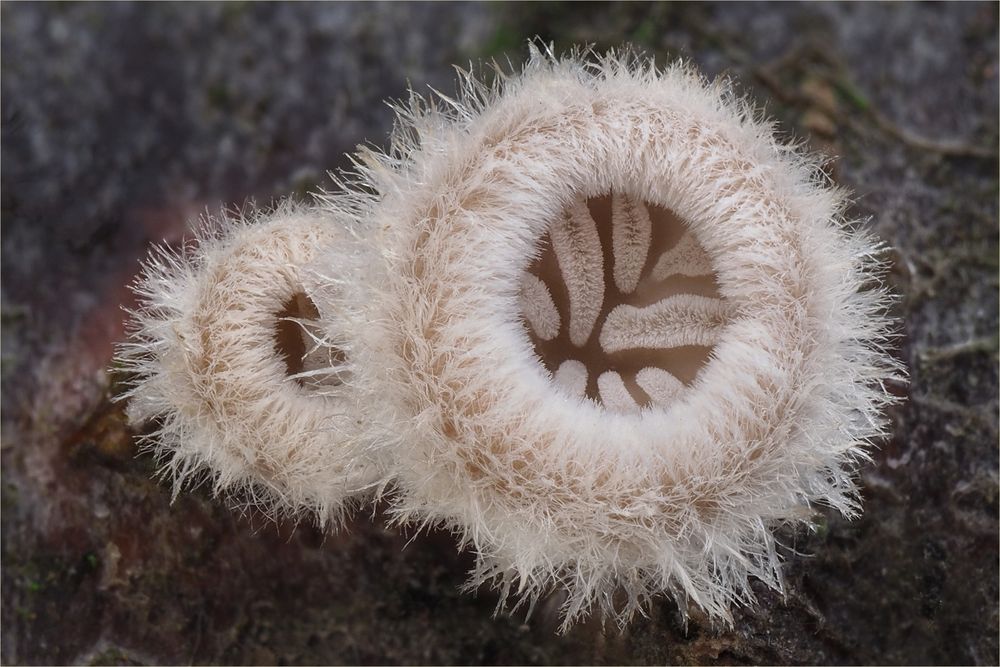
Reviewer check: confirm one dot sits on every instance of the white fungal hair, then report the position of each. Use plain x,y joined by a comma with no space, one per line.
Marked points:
271,427
594,318
608,499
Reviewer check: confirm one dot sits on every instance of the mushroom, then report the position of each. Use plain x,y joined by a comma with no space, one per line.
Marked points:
629,330
237,359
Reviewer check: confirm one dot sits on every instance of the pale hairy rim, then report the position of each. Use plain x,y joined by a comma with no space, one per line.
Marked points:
264,418
214,368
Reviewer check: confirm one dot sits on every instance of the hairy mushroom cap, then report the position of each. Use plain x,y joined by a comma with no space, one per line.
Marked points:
243,357
670,425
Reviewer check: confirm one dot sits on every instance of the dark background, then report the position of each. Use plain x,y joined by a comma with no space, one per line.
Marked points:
121,122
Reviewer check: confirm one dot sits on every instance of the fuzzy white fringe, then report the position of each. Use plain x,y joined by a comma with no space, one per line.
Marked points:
205,363
548,490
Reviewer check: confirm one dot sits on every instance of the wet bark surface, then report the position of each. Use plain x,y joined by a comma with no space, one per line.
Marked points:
122,122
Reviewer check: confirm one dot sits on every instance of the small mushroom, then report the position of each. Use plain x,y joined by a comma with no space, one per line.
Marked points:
234,360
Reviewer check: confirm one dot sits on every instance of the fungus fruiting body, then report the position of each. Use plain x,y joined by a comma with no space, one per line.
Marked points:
593,318
235,362
623,401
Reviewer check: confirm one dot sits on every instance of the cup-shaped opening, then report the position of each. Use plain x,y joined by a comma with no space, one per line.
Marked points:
622,303
298,340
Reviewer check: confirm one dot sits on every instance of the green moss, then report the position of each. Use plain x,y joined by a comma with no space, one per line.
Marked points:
305,184
644,33
821,526
852,94
8,496
218,96
233,11
505,39
113,656
91,561
11,319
